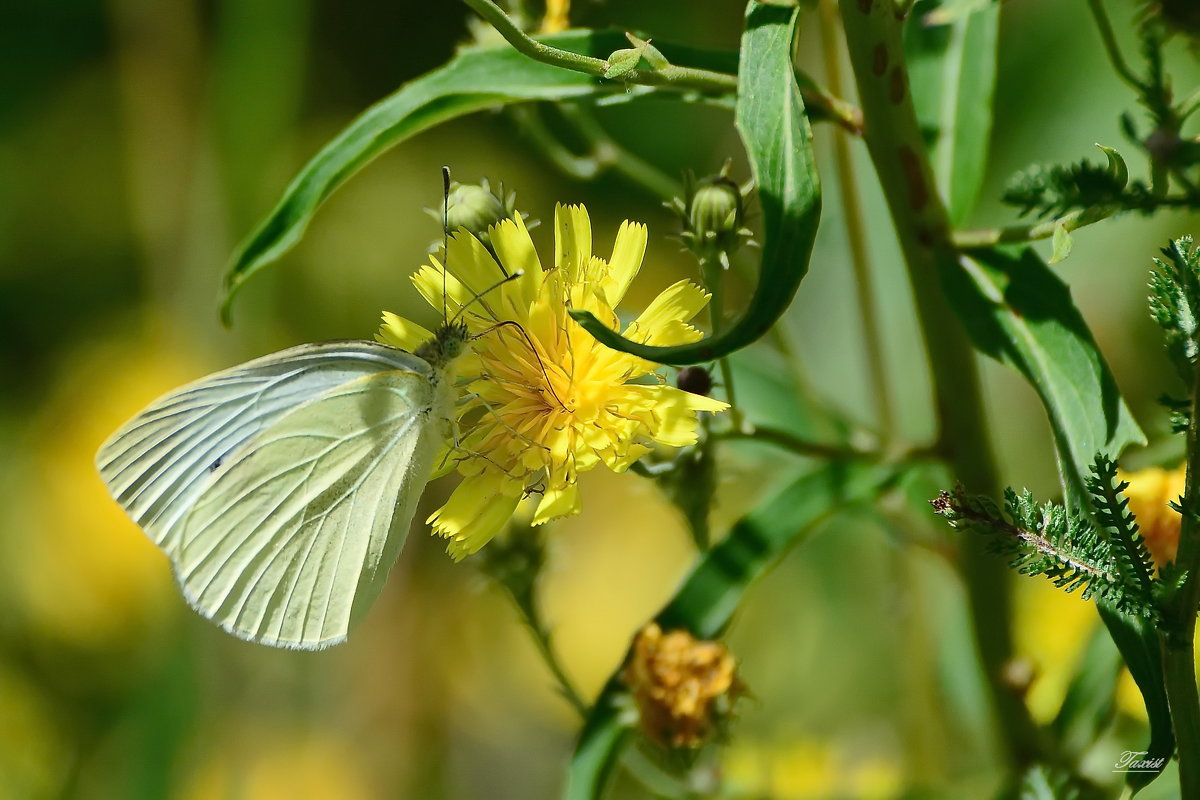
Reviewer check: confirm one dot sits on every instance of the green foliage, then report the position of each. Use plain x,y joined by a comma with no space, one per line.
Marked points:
1019,312
1175,306
1052,541
951,57
775,130
1054,190
474,80
1116,523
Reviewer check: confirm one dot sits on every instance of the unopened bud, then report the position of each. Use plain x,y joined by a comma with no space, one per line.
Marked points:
475,207
695,380
713,215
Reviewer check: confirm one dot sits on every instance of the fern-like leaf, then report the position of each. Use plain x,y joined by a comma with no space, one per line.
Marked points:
1047,540
1053,190
1130,553
1175,302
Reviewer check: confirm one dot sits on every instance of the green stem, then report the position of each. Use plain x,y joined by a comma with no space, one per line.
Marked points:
1178,634
526,605
1110,46
608,154
897,149
856,237
714,277
672,76
801,447
986,238
684,78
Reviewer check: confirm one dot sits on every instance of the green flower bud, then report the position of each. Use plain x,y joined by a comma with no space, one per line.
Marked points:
713,217
715,210
476,208
473,207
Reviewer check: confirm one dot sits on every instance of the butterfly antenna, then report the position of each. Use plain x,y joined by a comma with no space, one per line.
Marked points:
479,297
533,349
445,234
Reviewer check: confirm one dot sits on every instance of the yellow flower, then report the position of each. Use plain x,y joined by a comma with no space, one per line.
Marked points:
1149,492
677,681
543,401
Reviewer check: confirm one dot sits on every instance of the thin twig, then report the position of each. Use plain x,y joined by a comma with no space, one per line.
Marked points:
984,238
671,76
1110,46
856,235
687,78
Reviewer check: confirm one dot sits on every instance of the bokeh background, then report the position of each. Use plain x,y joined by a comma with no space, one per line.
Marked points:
139,141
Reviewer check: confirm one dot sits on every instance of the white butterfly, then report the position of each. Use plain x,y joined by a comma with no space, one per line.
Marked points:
283,489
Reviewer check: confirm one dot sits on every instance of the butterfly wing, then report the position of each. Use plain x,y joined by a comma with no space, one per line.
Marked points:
178,466
293,541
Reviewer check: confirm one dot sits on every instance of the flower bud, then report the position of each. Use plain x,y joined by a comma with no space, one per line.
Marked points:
695,380
713,216
476,208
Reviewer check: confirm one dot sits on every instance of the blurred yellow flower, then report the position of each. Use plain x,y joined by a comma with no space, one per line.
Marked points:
677,681
808,769
81,571
557,16
1149,492
1050,629
280,766
544,400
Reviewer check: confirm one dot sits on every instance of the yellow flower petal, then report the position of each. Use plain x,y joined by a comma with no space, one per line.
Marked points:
476,511
556,503
628,252
572,240
677,303
675,421
402,333
513,245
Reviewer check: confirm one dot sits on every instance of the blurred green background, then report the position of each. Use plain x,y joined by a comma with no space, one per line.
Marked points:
139,141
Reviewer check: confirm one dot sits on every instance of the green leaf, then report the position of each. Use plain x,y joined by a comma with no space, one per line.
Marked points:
778,140
622,61
951,55
1116,164
712,591
1062,243
1017,311
475,79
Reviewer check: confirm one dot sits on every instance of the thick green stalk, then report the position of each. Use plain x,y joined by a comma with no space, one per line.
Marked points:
893,138
1178,635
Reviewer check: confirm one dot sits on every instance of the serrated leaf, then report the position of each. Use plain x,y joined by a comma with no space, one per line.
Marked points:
474,80
1019,312
951,58
712,591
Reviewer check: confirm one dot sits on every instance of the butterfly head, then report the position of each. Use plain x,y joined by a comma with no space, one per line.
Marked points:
446,345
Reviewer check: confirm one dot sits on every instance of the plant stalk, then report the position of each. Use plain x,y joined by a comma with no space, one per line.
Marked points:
896,147
856,237
1178,635
671,76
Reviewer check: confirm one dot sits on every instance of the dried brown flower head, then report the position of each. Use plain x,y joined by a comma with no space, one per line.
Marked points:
681,685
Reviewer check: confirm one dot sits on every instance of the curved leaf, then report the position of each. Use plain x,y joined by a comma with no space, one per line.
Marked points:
1019,312
475,79
710,594
778,140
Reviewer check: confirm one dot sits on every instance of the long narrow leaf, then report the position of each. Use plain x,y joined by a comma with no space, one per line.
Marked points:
475,79
1019,312
711,593
953,76
775,131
